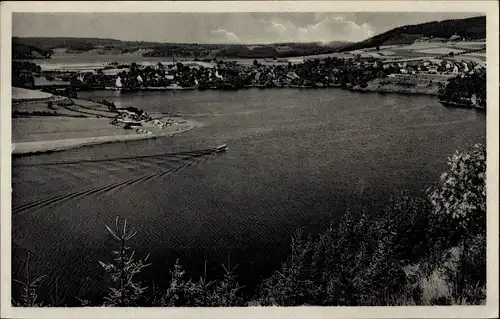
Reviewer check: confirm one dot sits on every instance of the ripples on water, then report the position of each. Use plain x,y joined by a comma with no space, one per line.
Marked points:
295,158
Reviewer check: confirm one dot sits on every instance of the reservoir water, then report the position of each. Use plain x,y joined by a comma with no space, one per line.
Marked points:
296,158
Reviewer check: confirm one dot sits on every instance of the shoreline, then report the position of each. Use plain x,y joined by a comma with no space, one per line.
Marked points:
40,147
394,90
78,124
371,88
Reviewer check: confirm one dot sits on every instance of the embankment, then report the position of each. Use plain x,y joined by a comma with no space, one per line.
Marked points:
427,84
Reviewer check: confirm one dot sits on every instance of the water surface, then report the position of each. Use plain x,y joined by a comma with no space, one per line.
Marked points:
295,158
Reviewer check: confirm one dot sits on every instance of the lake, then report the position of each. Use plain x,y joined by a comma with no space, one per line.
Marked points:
296,158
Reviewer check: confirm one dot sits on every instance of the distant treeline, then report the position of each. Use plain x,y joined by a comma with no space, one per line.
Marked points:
24,51
270,51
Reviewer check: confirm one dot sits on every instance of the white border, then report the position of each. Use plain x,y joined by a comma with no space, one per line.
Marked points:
490,8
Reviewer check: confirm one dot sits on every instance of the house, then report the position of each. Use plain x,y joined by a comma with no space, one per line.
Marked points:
292,75
455,38
411,68
283,48
466,67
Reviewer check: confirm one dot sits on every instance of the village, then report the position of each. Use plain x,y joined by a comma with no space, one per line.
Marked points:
426,66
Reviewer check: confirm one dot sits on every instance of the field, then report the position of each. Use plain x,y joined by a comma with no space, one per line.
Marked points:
40,127
440,51
19,94
425,50
34,129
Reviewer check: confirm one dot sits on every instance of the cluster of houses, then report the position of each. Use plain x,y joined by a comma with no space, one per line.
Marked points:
325,72
453,38
433,66
128,117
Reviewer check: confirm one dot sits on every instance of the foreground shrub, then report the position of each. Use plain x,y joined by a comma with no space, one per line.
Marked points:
29,295
358,262
460,201
461,197
127,291
183,292
293,284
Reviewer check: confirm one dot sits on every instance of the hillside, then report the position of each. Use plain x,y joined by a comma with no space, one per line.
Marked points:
26,51
469,28
39,47
64,42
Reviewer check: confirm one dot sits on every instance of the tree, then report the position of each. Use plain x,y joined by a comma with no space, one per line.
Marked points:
29,296
127,292
292,285
226,292
461,203
461,198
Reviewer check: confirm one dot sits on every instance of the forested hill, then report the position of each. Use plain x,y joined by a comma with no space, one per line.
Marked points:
469,28
44,46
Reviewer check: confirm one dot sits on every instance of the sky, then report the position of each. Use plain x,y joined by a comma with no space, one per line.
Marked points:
246,28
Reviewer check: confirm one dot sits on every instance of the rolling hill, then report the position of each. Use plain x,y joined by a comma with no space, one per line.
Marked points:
40,47
469,28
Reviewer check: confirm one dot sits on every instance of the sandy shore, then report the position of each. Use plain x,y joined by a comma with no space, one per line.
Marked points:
20,95
38,127
32,144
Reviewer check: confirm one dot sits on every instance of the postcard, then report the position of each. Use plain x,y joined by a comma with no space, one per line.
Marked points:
248,159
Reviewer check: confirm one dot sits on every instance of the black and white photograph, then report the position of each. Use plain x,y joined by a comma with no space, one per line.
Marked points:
266,159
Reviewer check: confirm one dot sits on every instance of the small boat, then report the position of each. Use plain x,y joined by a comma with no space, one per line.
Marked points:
221,148
454,104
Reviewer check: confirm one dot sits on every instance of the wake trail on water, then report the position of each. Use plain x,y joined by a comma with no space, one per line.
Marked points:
185,154
192,160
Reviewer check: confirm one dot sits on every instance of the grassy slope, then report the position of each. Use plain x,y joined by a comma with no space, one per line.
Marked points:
470,27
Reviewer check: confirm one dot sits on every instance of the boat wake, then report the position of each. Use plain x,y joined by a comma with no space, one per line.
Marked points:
187,159
186,154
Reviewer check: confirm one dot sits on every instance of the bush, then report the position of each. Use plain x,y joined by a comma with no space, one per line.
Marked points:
359,262
29,296
183,292
122,271
461,202
461,197
293,284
